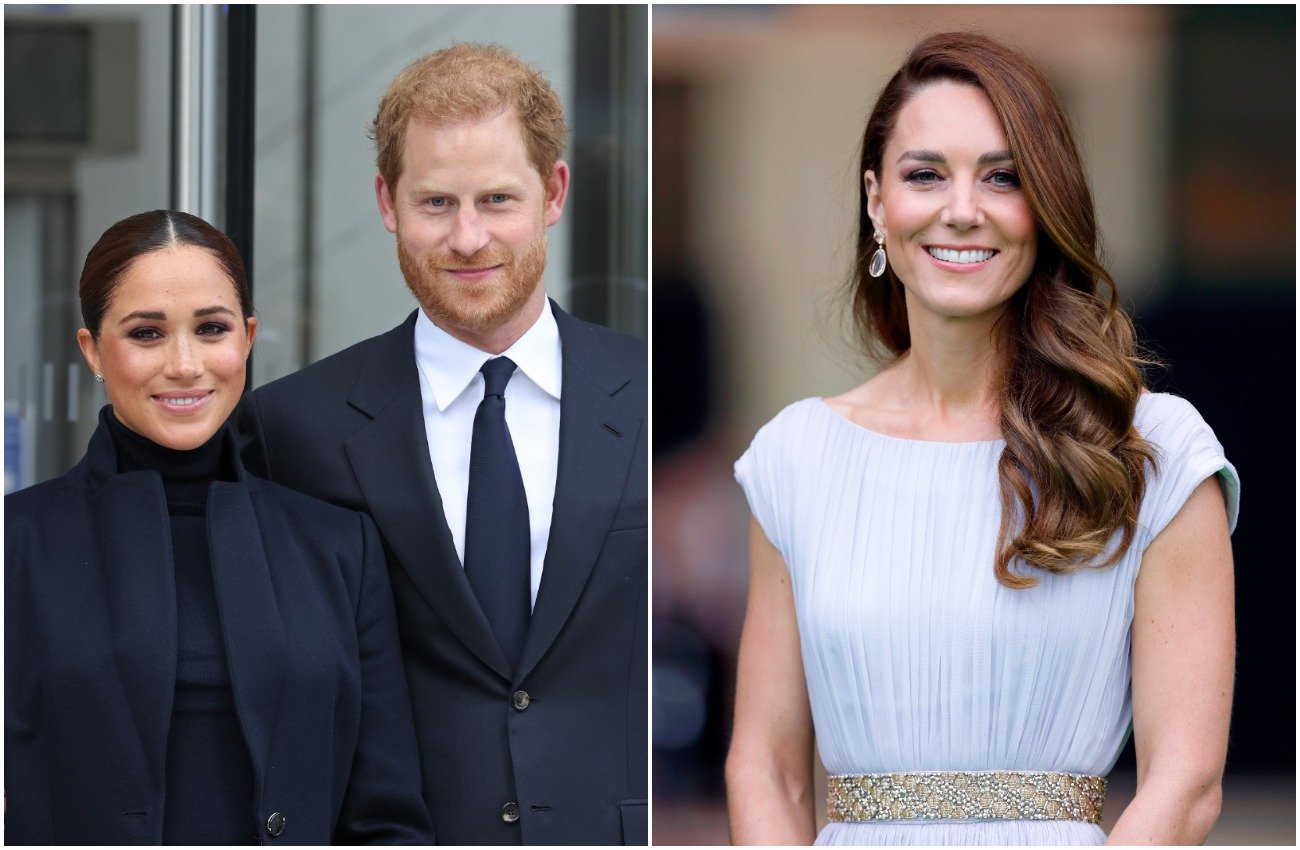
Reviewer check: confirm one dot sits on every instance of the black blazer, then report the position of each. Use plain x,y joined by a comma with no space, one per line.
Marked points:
554,752
90,661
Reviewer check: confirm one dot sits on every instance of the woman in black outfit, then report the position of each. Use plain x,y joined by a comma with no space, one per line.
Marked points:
193,655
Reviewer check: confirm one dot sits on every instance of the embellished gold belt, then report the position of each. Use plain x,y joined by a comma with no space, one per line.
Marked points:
966,795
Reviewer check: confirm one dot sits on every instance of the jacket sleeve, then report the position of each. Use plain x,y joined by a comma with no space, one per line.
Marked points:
384,803
22,798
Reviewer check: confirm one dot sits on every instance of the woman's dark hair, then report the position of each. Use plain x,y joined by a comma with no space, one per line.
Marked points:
131,238
1074,468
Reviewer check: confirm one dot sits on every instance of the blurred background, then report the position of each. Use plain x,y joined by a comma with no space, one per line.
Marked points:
1186,121
255,118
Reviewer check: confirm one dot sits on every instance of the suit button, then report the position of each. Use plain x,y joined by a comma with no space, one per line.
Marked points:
510,812
520,700
275,824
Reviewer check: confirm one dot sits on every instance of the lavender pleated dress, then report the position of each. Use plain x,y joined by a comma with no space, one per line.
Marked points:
916,658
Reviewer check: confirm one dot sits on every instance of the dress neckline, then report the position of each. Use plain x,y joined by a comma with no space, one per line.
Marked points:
825,405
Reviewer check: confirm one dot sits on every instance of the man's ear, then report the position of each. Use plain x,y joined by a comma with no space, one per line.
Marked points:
875,209
557,190
387,209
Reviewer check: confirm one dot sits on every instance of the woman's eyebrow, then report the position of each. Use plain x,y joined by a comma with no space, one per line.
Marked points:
151,315
160,316
923,156
208,311
936,157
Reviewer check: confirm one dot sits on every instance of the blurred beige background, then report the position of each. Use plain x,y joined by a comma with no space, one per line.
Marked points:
775,113
1186,123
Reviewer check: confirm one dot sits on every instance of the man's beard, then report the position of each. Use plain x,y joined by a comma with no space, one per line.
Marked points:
475,306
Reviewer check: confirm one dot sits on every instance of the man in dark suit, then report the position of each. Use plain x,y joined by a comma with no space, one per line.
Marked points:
500,446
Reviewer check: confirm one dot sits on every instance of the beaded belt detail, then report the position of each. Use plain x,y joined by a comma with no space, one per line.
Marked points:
991,795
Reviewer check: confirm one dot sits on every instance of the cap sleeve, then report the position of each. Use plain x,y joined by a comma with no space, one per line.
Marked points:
757,471
1187,453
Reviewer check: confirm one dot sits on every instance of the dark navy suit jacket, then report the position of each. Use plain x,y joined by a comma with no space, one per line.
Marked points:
90,661
570,758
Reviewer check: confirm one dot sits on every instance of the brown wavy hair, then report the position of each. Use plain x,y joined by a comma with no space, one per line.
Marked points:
1074,468
469,82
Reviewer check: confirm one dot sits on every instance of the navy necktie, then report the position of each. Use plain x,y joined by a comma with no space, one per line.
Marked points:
497,538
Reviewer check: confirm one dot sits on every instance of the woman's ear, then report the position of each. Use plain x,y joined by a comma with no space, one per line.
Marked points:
875,209
89,350
250,325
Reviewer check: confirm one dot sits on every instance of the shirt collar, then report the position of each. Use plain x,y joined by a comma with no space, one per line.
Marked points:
449,365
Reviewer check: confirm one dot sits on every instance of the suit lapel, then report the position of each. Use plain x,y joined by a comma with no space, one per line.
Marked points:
390,458
141,596
598,438
251,622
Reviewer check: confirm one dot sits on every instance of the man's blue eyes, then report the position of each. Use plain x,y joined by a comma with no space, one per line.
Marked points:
496,198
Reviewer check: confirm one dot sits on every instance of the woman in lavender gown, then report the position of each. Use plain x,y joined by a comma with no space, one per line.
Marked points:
976,573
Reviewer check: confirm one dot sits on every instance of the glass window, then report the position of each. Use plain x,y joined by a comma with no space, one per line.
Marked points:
87,140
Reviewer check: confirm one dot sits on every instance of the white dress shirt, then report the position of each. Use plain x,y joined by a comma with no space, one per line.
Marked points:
451,388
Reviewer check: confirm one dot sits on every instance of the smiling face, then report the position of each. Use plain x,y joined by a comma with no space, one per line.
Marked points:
172,347
470,213
959,232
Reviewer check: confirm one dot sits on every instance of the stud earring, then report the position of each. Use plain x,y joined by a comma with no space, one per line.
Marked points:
99,379
877,266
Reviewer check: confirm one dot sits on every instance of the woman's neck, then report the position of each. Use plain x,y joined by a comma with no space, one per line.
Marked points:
955,369
948,380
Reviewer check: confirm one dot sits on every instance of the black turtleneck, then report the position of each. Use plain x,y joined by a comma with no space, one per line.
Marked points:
209,796
185,474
